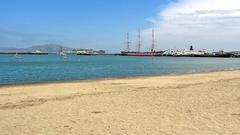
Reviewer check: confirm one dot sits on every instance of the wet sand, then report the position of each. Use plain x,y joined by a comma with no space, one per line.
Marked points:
186,104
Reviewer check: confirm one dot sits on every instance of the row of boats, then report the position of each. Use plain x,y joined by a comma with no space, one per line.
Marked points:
184,53
172,52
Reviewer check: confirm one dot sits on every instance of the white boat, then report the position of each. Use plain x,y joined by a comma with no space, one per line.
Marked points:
62,53
17,56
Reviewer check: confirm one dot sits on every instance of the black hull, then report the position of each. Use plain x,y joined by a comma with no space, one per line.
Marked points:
87,54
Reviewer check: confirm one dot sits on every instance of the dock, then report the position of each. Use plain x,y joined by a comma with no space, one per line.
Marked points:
29,53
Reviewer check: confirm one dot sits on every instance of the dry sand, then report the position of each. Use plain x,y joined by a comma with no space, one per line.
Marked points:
188,104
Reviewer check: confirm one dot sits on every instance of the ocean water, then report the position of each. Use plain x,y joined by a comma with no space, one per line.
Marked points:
47,68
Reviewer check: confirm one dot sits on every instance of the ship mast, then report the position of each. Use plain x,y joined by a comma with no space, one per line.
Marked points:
139,41
60,49
153,41
128,43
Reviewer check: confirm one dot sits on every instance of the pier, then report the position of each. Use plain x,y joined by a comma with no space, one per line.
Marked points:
29,53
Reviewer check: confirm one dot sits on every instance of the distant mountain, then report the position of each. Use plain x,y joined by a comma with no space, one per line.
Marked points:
50,48
8,49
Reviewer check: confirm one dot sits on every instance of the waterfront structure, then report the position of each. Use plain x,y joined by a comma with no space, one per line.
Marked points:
37,52
88,51
185,52
199,53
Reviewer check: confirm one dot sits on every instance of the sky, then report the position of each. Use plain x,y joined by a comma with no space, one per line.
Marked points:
103,24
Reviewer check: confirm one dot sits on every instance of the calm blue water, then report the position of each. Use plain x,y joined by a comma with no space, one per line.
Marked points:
34,68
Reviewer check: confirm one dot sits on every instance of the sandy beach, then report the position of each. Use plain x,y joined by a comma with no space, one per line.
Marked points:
186,104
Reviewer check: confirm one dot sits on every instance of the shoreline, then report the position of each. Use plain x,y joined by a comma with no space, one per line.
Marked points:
114,78
182,104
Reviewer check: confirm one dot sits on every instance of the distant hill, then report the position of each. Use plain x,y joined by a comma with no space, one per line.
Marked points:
8,49
50,48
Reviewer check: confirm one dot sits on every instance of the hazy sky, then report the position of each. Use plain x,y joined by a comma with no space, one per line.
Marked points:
103,24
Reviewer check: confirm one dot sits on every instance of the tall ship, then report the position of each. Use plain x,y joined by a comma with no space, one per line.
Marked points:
152,52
